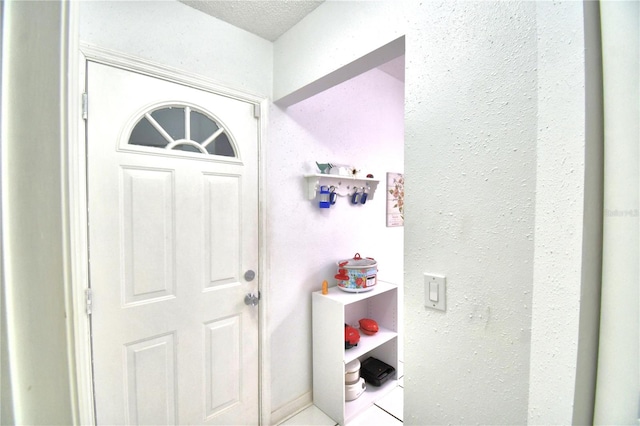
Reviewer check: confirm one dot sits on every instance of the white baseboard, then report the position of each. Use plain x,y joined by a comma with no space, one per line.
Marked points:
291,408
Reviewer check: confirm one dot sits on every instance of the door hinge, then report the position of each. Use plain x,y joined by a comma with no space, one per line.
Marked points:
256,110
85,106
88,297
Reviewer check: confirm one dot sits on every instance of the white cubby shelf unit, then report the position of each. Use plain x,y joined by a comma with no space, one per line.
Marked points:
330,313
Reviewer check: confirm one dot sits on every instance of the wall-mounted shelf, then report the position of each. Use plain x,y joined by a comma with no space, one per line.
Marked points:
343,184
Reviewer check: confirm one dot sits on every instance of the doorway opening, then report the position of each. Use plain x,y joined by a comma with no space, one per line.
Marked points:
358,122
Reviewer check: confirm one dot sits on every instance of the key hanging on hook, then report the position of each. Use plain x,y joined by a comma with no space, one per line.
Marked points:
363,197
355,197
333,196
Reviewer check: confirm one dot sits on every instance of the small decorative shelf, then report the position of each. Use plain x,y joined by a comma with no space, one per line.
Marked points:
343,184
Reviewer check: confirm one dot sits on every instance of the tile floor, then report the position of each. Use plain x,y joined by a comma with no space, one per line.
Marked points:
386,412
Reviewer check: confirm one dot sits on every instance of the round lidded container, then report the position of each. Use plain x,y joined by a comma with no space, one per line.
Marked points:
357,274
352,372
354,390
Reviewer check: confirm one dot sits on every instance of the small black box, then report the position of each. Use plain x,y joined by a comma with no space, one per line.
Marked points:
375,371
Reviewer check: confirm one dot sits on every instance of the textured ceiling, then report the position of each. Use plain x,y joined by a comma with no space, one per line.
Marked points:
268,19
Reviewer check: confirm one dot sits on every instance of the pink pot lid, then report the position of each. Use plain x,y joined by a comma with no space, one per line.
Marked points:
358,262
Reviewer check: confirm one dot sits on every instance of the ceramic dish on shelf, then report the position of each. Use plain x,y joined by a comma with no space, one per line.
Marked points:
357,274
352,372
353,391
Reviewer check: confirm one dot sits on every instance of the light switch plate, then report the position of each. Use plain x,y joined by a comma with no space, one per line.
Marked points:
435,291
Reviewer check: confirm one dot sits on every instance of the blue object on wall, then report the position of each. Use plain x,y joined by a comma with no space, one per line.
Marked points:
324,197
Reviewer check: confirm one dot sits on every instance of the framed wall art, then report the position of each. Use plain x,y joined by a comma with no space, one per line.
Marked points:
395,199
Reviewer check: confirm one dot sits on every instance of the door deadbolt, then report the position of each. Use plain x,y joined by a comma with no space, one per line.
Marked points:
249,275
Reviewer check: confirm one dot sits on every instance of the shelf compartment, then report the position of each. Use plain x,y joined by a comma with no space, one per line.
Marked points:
368,398
368,343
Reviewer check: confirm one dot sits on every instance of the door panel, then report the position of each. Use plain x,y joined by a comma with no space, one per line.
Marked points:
223,367
171,233
151,380
148,234
222,227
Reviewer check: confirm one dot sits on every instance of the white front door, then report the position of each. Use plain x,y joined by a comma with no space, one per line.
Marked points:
173,230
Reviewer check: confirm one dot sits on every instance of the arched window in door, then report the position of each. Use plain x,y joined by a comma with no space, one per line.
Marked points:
182,128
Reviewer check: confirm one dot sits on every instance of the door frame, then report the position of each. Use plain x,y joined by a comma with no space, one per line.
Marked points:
78,217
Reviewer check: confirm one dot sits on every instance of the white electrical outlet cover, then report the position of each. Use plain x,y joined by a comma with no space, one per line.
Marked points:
435,291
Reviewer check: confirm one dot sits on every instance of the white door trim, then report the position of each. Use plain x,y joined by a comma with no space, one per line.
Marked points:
77,202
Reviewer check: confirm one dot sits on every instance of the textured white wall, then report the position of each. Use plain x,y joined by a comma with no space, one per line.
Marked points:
470,158
471,161
559,212
173,34
359,122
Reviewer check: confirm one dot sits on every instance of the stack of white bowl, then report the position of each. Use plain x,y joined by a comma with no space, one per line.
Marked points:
354,385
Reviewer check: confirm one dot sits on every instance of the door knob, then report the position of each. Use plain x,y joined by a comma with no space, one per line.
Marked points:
251,299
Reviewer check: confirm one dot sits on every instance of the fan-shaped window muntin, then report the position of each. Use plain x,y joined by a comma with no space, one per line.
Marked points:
182,128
